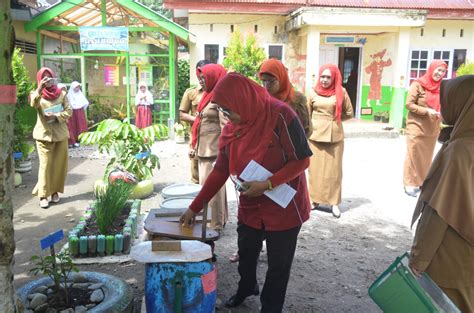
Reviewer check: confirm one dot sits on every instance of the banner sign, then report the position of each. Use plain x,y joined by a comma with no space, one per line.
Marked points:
104,38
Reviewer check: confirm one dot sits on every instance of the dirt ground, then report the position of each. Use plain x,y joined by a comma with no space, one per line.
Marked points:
336,259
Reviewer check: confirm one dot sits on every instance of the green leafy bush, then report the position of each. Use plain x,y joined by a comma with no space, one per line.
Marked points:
465,69
130,146
21,129
110,203
57,269
244,57
183,78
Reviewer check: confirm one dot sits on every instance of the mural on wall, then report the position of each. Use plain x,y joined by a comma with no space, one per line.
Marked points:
298,73
375,70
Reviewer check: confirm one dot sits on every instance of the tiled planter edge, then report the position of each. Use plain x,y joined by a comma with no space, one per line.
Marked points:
101,245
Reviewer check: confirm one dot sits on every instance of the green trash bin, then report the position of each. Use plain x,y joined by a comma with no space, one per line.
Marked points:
398,290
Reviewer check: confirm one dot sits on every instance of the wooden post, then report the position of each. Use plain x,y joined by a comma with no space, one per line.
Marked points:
204,222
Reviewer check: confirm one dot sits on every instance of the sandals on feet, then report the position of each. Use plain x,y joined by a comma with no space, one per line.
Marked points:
234,257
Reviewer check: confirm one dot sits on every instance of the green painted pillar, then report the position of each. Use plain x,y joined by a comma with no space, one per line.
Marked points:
172,73
397,109
39,49
103,11
127,73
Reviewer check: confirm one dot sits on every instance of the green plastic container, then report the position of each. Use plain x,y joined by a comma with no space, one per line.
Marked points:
398,290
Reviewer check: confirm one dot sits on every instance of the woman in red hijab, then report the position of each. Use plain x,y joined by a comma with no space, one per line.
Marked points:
51,135
265,130
422,126
329,105
206,130
274,77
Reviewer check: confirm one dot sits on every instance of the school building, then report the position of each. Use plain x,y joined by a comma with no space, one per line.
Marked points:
380,46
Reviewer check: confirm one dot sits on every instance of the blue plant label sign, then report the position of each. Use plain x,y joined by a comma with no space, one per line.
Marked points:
51,239
142,155
103,38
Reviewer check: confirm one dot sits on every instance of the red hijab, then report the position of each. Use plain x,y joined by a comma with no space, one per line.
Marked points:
212,73
431,86
275,68
334,89
49,93
249,139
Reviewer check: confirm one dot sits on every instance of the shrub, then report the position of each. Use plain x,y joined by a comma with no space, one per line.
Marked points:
465,69
244,57
130,146
110,203
58,270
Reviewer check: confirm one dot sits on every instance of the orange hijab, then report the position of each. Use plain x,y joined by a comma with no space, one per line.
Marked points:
275,68
334,89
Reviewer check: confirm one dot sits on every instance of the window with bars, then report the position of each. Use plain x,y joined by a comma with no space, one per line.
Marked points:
275,52
211,53
26,46
418,64
444,55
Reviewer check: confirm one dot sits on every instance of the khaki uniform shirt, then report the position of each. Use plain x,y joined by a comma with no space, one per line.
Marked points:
419,122
212,122
190,100
322,111
54,131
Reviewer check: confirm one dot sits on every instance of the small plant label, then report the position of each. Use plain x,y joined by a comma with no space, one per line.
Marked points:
51,239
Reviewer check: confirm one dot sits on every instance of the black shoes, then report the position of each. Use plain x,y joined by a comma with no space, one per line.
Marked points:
237,299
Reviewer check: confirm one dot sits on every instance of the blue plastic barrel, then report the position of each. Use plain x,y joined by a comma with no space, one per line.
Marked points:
180,287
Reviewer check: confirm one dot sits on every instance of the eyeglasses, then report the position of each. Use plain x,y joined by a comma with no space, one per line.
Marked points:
269,82
225,112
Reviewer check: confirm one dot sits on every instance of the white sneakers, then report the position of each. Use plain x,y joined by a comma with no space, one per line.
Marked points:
335,211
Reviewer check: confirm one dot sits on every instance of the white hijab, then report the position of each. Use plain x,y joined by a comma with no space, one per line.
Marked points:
148,96
77,100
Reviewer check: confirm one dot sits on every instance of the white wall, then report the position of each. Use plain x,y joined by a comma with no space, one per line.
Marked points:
199,24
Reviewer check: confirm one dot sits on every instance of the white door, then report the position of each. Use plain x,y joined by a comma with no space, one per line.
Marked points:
328,54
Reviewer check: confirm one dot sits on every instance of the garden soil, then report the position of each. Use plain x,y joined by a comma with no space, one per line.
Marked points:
336,259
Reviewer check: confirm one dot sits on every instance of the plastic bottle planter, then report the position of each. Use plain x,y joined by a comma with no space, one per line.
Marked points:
81,245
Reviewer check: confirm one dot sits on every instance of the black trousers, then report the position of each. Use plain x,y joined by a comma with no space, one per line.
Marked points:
281,247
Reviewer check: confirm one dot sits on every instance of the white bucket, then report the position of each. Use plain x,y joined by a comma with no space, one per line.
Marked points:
180,191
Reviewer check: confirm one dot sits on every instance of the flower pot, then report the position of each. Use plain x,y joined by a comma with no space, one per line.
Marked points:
385,119
118,296
142,190
180,139
17,179
23,166
377,118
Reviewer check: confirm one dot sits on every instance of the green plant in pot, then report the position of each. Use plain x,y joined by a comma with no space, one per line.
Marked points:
180,132
385,117
130,148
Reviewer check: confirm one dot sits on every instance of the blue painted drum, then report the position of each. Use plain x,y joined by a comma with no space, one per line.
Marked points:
180,287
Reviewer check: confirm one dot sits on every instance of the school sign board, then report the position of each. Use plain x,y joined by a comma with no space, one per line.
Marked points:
104,38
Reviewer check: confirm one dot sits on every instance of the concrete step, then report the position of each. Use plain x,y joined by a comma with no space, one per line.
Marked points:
356,128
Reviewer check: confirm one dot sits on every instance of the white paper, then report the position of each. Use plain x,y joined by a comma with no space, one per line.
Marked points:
281,195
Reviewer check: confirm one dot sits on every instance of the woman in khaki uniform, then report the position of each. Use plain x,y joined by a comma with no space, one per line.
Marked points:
51,135
274,77
444,240
329,105
422,126
187,113
205,138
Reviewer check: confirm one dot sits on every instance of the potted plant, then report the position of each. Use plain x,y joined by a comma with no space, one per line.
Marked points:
377,116
385,117
130,148
180,132
65,288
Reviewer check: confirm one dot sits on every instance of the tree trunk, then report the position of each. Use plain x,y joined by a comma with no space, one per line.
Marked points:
7,241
